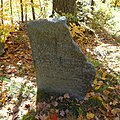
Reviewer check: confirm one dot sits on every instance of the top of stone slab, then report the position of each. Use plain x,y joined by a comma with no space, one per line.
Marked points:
61,20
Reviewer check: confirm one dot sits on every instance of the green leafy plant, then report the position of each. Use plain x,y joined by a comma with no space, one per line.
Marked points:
29,116
5,79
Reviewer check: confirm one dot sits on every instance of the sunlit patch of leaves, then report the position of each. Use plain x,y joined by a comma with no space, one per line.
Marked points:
80,35
5,31
18,96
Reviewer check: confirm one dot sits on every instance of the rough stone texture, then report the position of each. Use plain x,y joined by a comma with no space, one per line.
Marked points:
60,65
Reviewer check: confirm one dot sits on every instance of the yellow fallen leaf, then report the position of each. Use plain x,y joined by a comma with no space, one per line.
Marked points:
112,88
100,83
95,82
97,88
90,115
100,98
104,76
3,100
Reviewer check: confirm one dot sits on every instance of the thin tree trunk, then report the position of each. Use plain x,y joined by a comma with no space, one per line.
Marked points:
92,5
2,12
11,11
33,11
26,12
22,16
1,42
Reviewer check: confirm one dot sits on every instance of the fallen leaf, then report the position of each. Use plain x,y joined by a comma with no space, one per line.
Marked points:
102,111
80,117
115,102
112,88
115,111
54,116
4,98
95,82
97,88
55,103
62,113
104,76
116,118
90,115
106,106
99,98
44,117
37,117
66,95
106,92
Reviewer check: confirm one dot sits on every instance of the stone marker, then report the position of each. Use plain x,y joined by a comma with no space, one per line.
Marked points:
60,65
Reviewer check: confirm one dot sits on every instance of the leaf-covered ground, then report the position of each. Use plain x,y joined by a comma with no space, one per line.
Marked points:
18,87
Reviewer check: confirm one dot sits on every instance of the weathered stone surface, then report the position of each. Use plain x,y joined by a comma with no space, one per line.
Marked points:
60,65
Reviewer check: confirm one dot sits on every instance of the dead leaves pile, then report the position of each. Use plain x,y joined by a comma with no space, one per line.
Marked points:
17,60
17,77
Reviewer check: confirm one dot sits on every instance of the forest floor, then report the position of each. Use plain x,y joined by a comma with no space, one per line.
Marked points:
18,87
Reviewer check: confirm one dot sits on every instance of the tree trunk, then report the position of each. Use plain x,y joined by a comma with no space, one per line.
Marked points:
11,12
33,11
92,5
2,12
26,12
64,6
22,16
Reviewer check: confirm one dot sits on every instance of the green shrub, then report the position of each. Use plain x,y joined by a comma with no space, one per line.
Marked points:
102,13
